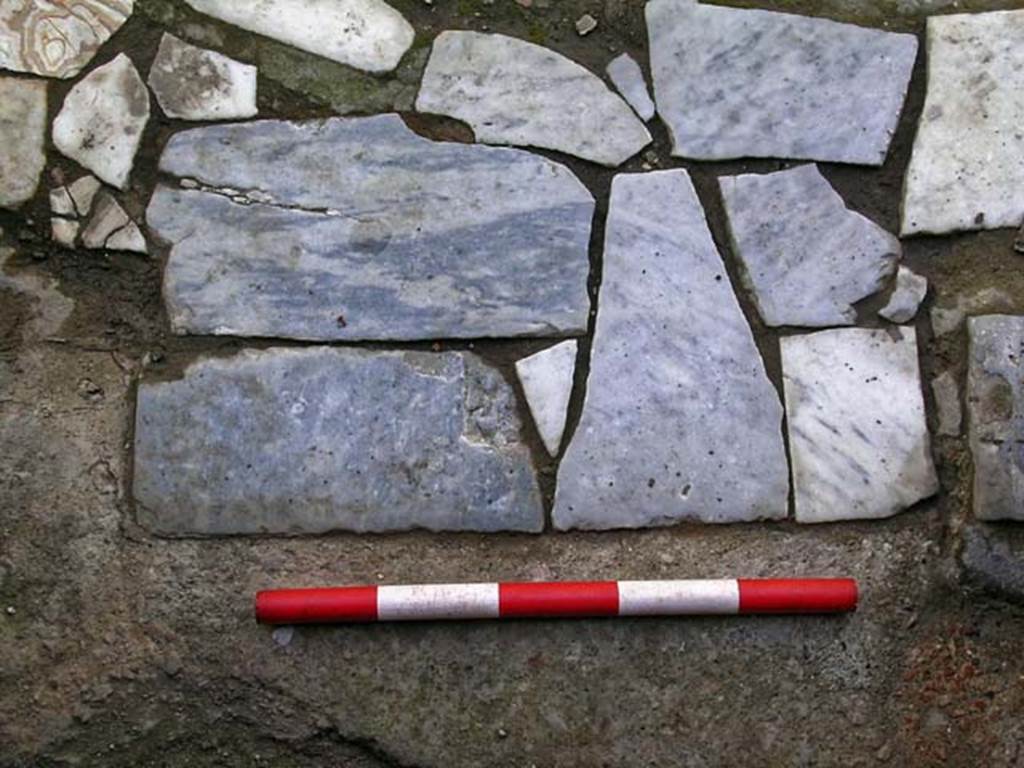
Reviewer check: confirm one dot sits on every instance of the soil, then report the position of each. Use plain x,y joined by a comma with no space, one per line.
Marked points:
121,649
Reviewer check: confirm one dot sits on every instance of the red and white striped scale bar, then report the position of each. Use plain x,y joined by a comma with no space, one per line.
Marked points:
569,599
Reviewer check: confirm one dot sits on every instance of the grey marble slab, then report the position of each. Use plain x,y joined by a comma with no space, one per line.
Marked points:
995,414
733,82
294,441
858,438
395,237
680,421
807,258
514,92
628,78
22,139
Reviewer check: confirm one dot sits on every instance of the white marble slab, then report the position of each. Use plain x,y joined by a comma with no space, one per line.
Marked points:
22,137
680,421
101,122
547,383
967,167
858,439
513,92
365,34
807,259
57,38
193,83
734,82
628,78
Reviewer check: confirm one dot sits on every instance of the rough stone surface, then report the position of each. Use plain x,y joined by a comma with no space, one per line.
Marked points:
56,38
733,82
807,258
513,92
110,227
547,382
946,392
628,78
101,122
365,34
82,192
680,421
910,290
64,231
995,409
398,237
967,166
857,434
948,314
993,559
22,132
193,83
318,439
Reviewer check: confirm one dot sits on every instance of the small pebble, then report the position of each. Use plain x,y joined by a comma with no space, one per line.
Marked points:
586,24
10,610
283,635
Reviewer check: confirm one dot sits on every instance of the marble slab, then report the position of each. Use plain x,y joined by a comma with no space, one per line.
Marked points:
735,82
858,439
302,441
967,166
365,34
807,258
101,122
910,290
546,378
628,79
22,138
513,92
995,415
680,421
397,237
57,38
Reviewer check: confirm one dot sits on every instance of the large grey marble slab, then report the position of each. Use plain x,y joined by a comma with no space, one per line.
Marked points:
680,421
995,415
357,228
733,82
857,432
318,439
967,166
807,258
56,38
513,92
365,34
22,137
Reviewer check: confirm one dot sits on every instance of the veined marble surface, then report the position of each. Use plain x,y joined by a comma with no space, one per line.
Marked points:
365,34
319,439
807,258
735,82
397,237
680,421
967,166
858,438
513,92
995,408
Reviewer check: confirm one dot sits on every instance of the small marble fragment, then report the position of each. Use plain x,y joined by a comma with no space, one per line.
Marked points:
585,24
807,258
193,83
911,288
967,166
995,411
57,38
22,133
680,421
396,237
947,404
303,441
110,227
513,92
547,382
83,192
65,231
61,203
365,34
628,78
737,82
101,122
858,439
